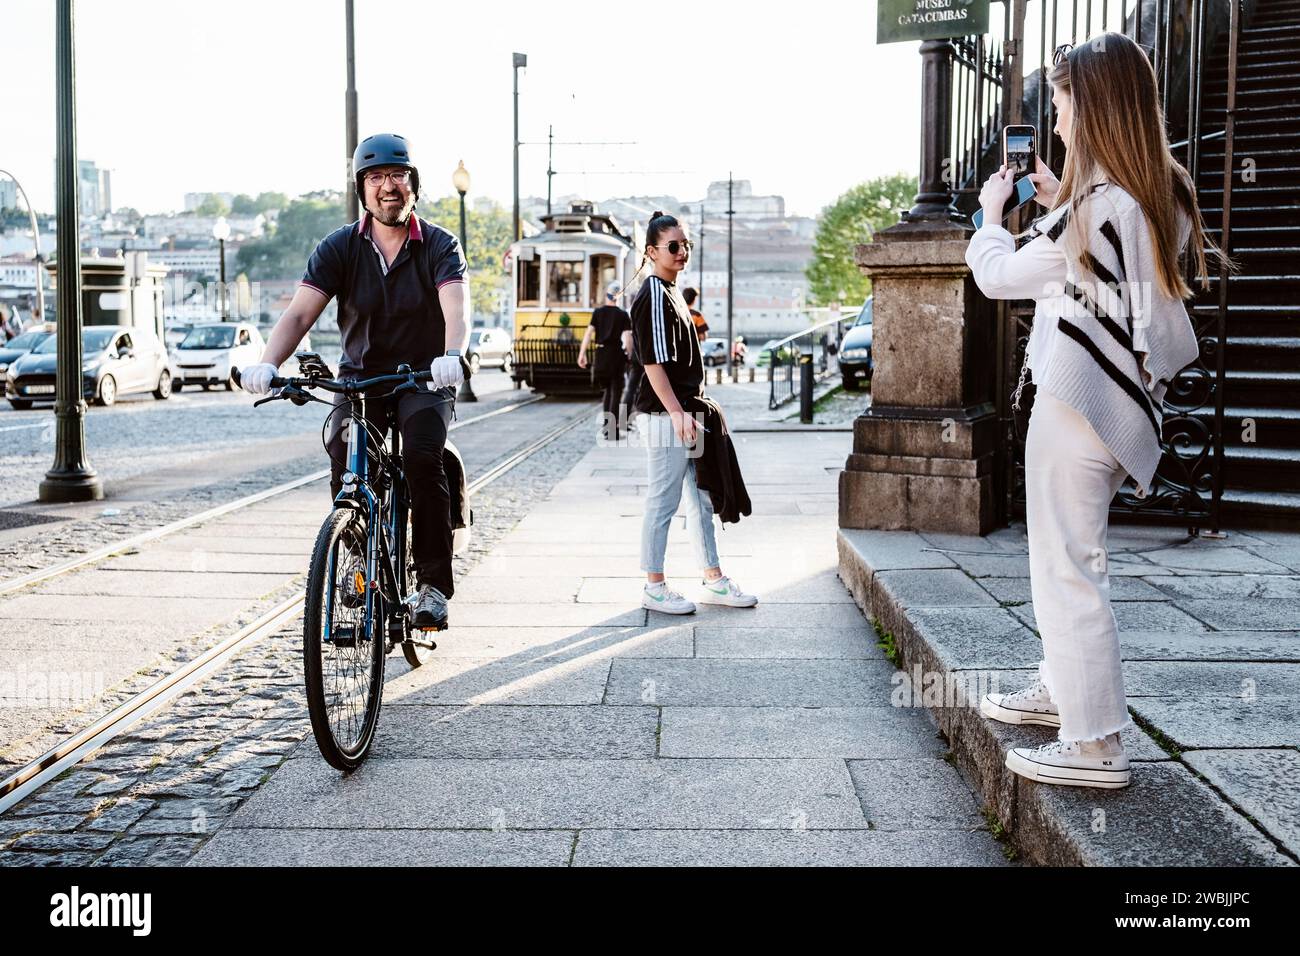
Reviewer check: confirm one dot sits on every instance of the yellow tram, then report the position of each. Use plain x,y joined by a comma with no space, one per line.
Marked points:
560,277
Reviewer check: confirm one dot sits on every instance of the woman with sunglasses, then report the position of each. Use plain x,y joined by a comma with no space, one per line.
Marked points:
668,348
1110,333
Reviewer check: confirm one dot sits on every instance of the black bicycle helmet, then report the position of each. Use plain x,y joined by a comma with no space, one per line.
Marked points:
382,149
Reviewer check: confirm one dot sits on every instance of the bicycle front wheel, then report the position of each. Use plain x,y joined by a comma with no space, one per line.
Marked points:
343,647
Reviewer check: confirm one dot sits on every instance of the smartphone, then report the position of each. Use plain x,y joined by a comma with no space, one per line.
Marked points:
1019,147
311,364
1023,192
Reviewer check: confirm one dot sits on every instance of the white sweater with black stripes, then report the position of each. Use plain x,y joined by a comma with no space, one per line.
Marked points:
1107,344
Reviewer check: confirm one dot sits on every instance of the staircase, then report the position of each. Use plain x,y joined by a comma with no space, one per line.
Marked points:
1262,360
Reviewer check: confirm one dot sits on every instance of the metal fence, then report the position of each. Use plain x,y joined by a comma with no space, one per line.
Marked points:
782,357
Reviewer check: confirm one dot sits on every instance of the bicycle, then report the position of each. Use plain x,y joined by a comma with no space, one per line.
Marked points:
355,611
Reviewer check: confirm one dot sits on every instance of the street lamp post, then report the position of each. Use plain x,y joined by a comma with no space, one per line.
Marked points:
221,232
731,278
460,182
350,116
36,243
520,60
71,478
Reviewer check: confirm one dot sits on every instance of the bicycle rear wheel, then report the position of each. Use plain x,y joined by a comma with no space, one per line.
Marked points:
343,651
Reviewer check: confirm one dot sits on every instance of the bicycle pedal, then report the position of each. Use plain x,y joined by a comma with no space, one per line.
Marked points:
429,630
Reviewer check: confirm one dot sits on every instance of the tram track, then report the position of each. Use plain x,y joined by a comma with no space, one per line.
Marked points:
49,765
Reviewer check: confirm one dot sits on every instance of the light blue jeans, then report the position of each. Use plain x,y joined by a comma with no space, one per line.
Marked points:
670,468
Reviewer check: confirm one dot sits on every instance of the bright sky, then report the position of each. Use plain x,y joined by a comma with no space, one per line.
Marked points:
245,96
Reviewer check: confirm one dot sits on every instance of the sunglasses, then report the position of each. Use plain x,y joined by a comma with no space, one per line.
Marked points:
676,246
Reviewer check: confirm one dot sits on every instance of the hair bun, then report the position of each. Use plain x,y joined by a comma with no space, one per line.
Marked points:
656,214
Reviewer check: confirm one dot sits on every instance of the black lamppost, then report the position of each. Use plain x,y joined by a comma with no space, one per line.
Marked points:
221,232
72,478
731,277
460,181
350,114
520,60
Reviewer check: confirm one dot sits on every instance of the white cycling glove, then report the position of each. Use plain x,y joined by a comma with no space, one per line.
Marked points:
446,371
256,379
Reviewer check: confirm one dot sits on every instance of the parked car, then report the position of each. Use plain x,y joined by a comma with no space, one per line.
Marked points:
714,352
206,355
20,345
856,364
115,360
493,348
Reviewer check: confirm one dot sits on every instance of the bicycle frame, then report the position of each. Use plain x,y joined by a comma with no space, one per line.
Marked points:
384,538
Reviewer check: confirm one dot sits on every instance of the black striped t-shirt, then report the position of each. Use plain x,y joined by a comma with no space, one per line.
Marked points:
665,336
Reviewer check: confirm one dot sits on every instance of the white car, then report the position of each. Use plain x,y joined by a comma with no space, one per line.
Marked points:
208,352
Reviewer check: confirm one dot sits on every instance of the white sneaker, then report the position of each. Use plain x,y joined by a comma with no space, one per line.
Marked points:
1102,764
1029,705
660,597
724,591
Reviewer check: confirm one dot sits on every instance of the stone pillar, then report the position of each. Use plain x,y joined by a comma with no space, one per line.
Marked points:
924,452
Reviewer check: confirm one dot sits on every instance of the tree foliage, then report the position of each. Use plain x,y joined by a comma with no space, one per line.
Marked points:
853,219
488,236
212,205
284,253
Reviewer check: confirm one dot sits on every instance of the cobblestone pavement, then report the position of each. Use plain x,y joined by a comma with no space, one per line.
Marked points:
155,796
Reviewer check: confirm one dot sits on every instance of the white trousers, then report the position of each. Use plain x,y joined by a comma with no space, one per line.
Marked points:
1070,479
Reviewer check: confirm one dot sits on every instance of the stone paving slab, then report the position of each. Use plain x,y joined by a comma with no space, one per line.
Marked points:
1263,784
778,848
1016,590
532,794
873,733
179,612
1240,586
967,638
470,680
549,615
914,794
1273,615
1201,679
844,643
280,848
179,584
750,683
537,732
1141,616
211,561
561,643
181,544
1213,722
1210,645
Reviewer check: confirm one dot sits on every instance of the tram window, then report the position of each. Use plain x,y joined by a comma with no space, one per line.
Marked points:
603,272
565,286
530,282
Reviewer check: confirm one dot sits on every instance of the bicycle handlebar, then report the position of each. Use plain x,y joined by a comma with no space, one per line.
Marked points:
340,385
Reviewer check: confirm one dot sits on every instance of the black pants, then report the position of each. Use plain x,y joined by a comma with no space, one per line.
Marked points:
635,372
422,419
611,401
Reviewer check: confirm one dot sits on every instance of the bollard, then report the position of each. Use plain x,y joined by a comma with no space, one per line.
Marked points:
466,391
805,388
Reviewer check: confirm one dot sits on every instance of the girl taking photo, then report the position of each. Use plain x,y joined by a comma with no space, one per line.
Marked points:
668,348
1110,333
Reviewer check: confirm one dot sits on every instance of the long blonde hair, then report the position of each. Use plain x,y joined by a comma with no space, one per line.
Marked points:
1118,135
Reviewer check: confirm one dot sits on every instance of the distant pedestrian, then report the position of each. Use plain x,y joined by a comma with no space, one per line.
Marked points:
738,351
697,317
611,328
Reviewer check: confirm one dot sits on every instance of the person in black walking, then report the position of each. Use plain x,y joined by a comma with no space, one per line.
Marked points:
611,328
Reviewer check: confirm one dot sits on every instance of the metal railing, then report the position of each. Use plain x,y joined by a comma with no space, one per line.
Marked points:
782,357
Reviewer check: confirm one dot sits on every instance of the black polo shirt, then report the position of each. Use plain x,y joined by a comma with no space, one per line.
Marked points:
664,335
389,315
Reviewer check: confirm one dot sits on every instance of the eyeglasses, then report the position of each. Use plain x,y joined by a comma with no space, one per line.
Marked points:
676,245
1061,52
399,177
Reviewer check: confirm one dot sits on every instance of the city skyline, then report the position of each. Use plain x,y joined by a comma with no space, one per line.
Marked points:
216,106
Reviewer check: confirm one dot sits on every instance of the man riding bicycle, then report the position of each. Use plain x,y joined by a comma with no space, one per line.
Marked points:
402,300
